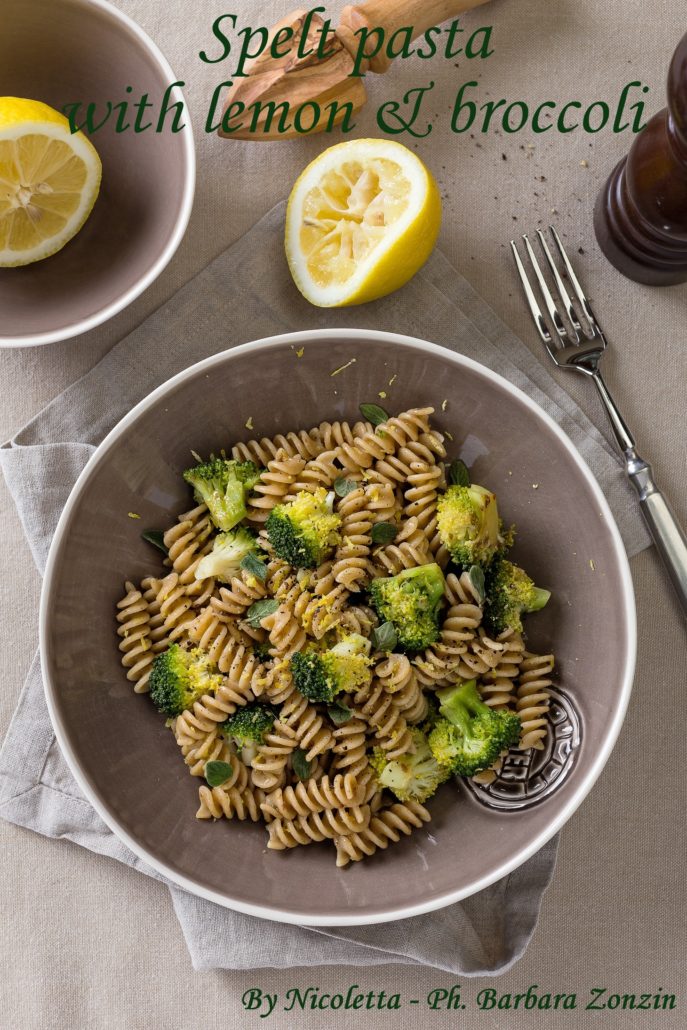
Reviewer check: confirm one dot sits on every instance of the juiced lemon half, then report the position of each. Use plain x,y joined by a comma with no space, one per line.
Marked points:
361,220
49,181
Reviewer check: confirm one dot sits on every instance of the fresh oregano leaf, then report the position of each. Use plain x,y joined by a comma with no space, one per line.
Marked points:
458,474
260,609
217,773
301,766
155,537
374,414
343,487
339,714
383,533
384,637
254,567
476,575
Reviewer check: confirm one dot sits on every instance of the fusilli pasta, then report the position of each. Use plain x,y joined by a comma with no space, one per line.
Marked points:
287,685
532,702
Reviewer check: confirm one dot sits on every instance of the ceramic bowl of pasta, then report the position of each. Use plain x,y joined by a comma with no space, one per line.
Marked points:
342,645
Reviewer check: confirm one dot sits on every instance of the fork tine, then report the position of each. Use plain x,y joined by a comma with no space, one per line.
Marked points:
560,286
535,310
579,292
546,293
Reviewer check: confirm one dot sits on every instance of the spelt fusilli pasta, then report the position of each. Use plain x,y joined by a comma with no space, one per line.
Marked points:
333,617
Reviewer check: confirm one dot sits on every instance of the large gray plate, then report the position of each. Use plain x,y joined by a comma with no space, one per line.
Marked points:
128,764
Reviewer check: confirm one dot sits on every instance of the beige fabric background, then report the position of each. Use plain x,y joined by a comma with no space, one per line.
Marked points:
88,943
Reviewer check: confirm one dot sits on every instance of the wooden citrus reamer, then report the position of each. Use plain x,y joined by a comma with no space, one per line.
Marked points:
274,80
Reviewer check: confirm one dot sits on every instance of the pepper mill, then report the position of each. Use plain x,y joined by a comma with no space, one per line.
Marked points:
640,217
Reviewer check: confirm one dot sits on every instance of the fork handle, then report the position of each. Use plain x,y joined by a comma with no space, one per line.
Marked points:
667,534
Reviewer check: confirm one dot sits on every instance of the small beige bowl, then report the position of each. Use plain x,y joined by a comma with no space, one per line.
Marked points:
62,51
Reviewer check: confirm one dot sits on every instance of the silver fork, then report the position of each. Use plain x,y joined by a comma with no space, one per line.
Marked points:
579,344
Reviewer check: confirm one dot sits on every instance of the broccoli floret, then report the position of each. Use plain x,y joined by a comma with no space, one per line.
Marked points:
509,593
179,677
412,777
250,724
223,486
321,675
262,651
311,678
306,530
468,522
410,601
470,736
228,551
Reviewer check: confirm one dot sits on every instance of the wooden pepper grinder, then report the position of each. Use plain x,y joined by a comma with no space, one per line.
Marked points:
641,214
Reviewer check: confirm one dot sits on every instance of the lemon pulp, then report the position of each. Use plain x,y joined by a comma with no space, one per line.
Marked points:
345,216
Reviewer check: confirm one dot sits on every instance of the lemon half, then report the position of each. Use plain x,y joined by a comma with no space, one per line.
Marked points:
361,220
49,181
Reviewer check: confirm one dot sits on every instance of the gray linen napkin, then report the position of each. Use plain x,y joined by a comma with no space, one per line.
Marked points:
246,293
